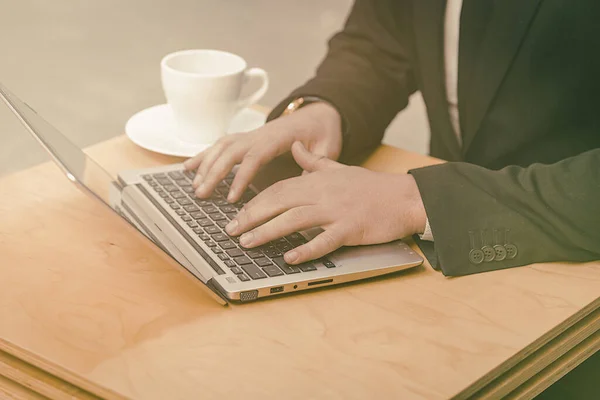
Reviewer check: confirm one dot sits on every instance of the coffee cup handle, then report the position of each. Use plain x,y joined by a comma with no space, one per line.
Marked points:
260,92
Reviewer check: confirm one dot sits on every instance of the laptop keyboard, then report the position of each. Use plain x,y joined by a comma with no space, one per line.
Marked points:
208,218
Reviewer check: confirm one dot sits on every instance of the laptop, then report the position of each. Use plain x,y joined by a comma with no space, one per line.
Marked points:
160,203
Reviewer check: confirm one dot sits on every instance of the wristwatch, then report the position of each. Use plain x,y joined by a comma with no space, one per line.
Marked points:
300,102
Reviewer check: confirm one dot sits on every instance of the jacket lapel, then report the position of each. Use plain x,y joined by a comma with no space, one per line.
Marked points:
428,17
508,25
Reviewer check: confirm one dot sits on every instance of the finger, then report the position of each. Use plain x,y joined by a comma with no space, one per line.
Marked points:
311,162
276,199
220,168
250,165
194,162
294,220
209,159
324,243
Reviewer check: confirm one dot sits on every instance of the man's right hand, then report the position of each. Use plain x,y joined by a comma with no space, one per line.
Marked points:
317,126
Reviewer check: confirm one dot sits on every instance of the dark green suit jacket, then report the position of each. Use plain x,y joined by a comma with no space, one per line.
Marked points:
525,185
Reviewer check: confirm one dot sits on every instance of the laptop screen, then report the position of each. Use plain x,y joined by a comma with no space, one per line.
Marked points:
73,161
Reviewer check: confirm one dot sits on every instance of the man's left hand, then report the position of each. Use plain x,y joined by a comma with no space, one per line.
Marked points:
353,206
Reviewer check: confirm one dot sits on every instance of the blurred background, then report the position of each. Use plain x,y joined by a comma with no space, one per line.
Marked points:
86,66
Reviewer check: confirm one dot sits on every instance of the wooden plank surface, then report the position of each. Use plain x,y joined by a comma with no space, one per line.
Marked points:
541,359
557,370
10,390
40,382
85,299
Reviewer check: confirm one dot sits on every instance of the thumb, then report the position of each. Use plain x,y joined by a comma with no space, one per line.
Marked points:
310,162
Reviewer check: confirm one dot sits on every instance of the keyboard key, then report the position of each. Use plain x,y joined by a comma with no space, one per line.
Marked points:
255,254
188,189
230,263
191,208
243,260
178,194
216,216
153,183
306,267
197,214
217,250
223,256
198,230
205,222
263,262
210,209
227,245
272,271
180,212
171,188
235,252
243,278
176,175
210,244
147,177
190,174
212,229
160,175
192,224
283,247
184,201
221,203
163,195
270,251
204,237
203,203
224,191
237,270
285,267
326,262
220,237
170,201
223,223
186,218
164,181
182,182
229,209
253,271
175,206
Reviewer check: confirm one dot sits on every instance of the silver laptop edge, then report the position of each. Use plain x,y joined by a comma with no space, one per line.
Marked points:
134,199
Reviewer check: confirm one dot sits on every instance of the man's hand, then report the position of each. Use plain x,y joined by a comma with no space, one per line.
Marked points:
354,206
317,126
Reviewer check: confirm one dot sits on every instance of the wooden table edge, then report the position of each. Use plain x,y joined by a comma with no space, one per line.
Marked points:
557,369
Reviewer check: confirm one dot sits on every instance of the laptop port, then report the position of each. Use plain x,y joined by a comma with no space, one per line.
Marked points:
320,282
277,289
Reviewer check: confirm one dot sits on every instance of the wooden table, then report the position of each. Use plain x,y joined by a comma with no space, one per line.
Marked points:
88,308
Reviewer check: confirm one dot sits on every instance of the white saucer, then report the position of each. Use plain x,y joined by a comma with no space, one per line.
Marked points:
152,129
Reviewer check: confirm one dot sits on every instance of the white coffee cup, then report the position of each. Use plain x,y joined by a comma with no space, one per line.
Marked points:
203,89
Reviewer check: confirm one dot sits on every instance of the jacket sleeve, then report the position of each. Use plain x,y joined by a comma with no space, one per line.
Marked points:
484,220
366,74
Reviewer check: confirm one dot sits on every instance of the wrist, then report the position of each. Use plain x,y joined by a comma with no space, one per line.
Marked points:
318,121
409,200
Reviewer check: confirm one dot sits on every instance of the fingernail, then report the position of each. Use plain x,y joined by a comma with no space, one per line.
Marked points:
231,196
232,227
246,239
200,191
197,180
291,256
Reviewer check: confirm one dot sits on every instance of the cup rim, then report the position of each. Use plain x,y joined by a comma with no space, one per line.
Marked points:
165,60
